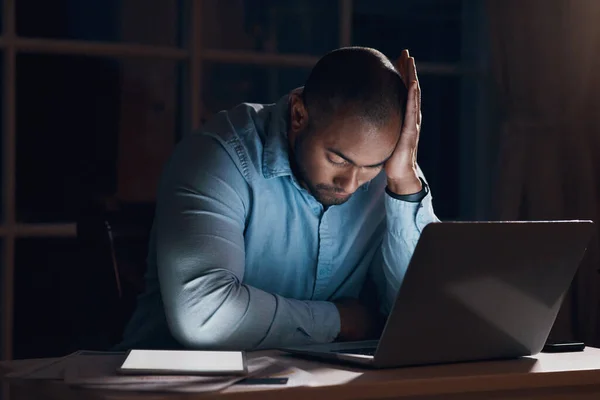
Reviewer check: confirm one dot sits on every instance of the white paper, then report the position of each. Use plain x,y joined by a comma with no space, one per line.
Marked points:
180,362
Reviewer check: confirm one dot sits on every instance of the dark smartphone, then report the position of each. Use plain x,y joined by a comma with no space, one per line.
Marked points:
563,347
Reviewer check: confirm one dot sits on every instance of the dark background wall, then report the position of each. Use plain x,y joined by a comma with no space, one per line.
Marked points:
92,131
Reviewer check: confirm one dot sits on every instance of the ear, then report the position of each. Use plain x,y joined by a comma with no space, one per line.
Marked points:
298,113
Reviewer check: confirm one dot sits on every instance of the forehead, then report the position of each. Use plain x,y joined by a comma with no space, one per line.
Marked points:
360,140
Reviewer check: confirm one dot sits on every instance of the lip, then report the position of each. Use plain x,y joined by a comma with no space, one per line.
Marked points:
340,195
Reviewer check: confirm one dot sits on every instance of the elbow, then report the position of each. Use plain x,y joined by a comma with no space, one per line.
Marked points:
209,339
211,322
197,336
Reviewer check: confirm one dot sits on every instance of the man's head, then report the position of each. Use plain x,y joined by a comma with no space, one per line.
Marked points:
346,122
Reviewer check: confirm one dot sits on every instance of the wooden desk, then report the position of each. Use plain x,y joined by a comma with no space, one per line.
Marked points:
545,376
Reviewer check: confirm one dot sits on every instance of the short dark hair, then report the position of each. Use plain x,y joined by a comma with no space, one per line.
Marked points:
357,80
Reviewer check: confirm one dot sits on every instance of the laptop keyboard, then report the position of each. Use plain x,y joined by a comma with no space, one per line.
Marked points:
365,351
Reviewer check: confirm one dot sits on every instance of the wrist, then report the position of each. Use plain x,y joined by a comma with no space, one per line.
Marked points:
342,334
404,186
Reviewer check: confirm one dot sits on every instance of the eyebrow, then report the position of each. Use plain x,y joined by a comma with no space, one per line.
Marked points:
340,154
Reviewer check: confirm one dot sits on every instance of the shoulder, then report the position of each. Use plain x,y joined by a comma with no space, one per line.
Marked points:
242,132
228,146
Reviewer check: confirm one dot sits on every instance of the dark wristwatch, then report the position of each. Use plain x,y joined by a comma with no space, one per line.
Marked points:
411,198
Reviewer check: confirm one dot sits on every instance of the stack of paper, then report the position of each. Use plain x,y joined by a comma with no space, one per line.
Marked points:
98,370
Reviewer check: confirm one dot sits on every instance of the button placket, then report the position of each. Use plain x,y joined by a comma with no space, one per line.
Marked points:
325,257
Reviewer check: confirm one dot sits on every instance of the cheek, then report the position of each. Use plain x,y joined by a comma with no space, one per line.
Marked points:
322,171
316,169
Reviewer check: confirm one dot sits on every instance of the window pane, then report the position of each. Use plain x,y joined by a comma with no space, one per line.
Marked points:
439,151
226,85
62,299
136,21
304,26
89,128
430,29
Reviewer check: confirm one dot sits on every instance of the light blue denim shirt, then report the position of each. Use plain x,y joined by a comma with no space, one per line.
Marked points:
242,257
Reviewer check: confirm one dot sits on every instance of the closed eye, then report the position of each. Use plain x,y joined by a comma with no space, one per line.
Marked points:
337,160
378,166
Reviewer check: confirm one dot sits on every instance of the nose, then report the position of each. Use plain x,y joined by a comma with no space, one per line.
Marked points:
348,181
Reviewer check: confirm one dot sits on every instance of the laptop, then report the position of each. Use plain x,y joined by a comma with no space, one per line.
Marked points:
473,291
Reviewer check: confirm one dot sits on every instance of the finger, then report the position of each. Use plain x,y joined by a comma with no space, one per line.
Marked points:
412,110
414,81
408,68
416,87
410,71
401,65
402,62
418,115
405,68
413,68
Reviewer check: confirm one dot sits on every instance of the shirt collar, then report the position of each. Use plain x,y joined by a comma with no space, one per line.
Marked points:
276,161
276,155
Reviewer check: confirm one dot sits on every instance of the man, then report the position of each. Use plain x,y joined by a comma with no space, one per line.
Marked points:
271,219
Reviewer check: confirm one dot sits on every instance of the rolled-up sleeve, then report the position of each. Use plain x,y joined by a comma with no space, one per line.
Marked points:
202,206
404,223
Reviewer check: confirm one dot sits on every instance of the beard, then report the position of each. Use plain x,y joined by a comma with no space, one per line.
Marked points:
327,195
329,198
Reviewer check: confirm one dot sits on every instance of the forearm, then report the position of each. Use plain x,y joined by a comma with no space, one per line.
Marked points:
404,223
216,311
